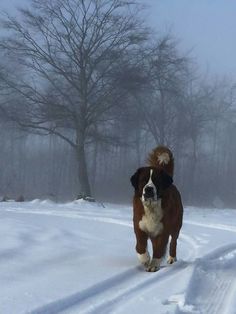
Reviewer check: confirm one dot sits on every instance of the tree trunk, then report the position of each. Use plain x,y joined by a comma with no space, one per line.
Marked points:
192,179
94,165
85,189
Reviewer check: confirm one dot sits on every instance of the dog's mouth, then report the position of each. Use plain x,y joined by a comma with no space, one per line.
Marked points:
148,198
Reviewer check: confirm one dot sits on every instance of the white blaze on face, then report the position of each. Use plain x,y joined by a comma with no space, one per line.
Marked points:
151,220
150,184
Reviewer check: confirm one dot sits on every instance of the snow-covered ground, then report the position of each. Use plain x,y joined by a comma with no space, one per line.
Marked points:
80,258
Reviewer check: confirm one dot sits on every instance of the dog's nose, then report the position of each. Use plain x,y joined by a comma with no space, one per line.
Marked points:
149,191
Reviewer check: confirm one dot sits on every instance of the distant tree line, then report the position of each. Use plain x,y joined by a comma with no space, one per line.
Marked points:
87,90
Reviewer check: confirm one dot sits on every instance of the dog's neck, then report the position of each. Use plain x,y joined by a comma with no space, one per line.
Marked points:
151,206
151,221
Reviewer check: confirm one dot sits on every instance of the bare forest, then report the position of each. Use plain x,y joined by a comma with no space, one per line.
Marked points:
87,89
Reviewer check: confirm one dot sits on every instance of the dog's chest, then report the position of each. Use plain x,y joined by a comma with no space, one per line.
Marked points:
151,220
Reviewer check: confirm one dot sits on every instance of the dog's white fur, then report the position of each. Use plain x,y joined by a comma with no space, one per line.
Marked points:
153,213
149,184
164,158
144,258
151,220
154,265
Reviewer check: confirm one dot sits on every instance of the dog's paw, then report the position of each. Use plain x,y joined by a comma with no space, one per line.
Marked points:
154,265
144,258
171,260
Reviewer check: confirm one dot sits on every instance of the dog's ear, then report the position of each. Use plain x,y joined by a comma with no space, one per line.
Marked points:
165,180
135,178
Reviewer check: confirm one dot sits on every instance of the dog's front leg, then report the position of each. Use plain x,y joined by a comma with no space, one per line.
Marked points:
159,244
141,247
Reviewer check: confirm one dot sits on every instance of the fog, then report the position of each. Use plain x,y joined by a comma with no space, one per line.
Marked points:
89,88
204,27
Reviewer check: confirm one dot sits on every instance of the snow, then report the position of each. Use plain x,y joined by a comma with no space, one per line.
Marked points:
79,257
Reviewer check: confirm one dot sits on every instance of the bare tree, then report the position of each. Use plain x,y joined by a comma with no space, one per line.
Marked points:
161,101
69,50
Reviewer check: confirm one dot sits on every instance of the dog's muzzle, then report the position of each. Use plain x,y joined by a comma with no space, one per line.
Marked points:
149,193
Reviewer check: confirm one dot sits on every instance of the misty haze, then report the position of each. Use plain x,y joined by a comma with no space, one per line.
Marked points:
83,101
88,88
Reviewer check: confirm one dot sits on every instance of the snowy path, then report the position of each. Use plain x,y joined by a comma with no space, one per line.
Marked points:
80,258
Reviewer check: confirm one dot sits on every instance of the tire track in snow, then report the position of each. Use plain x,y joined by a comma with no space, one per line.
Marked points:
218,280
118,221
213,278
73,214
110,291
85,295
218,285
211,226
114,290
137,288
190,241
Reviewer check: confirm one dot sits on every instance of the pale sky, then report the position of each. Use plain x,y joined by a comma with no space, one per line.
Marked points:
207,27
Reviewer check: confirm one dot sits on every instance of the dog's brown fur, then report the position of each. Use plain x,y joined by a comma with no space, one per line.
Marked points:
172,222
172,208
157,159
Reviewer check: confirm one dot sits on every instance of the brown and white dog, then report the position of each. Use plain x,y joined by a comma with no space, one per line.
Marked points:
158,209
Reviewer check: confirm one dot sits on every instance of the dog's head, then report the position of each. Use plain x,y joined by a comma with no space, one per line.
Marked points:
149,183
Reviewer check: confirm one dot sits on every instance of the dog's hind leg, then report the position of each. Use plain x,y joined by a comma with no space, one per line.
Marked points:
172,251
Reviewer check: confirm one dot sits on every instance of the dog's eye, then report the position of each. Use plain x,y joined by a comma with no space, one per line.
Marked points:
155,181
143,180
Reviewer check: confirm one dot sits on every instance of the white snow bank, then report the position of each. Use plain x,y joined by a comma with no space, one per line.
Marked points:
79,257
